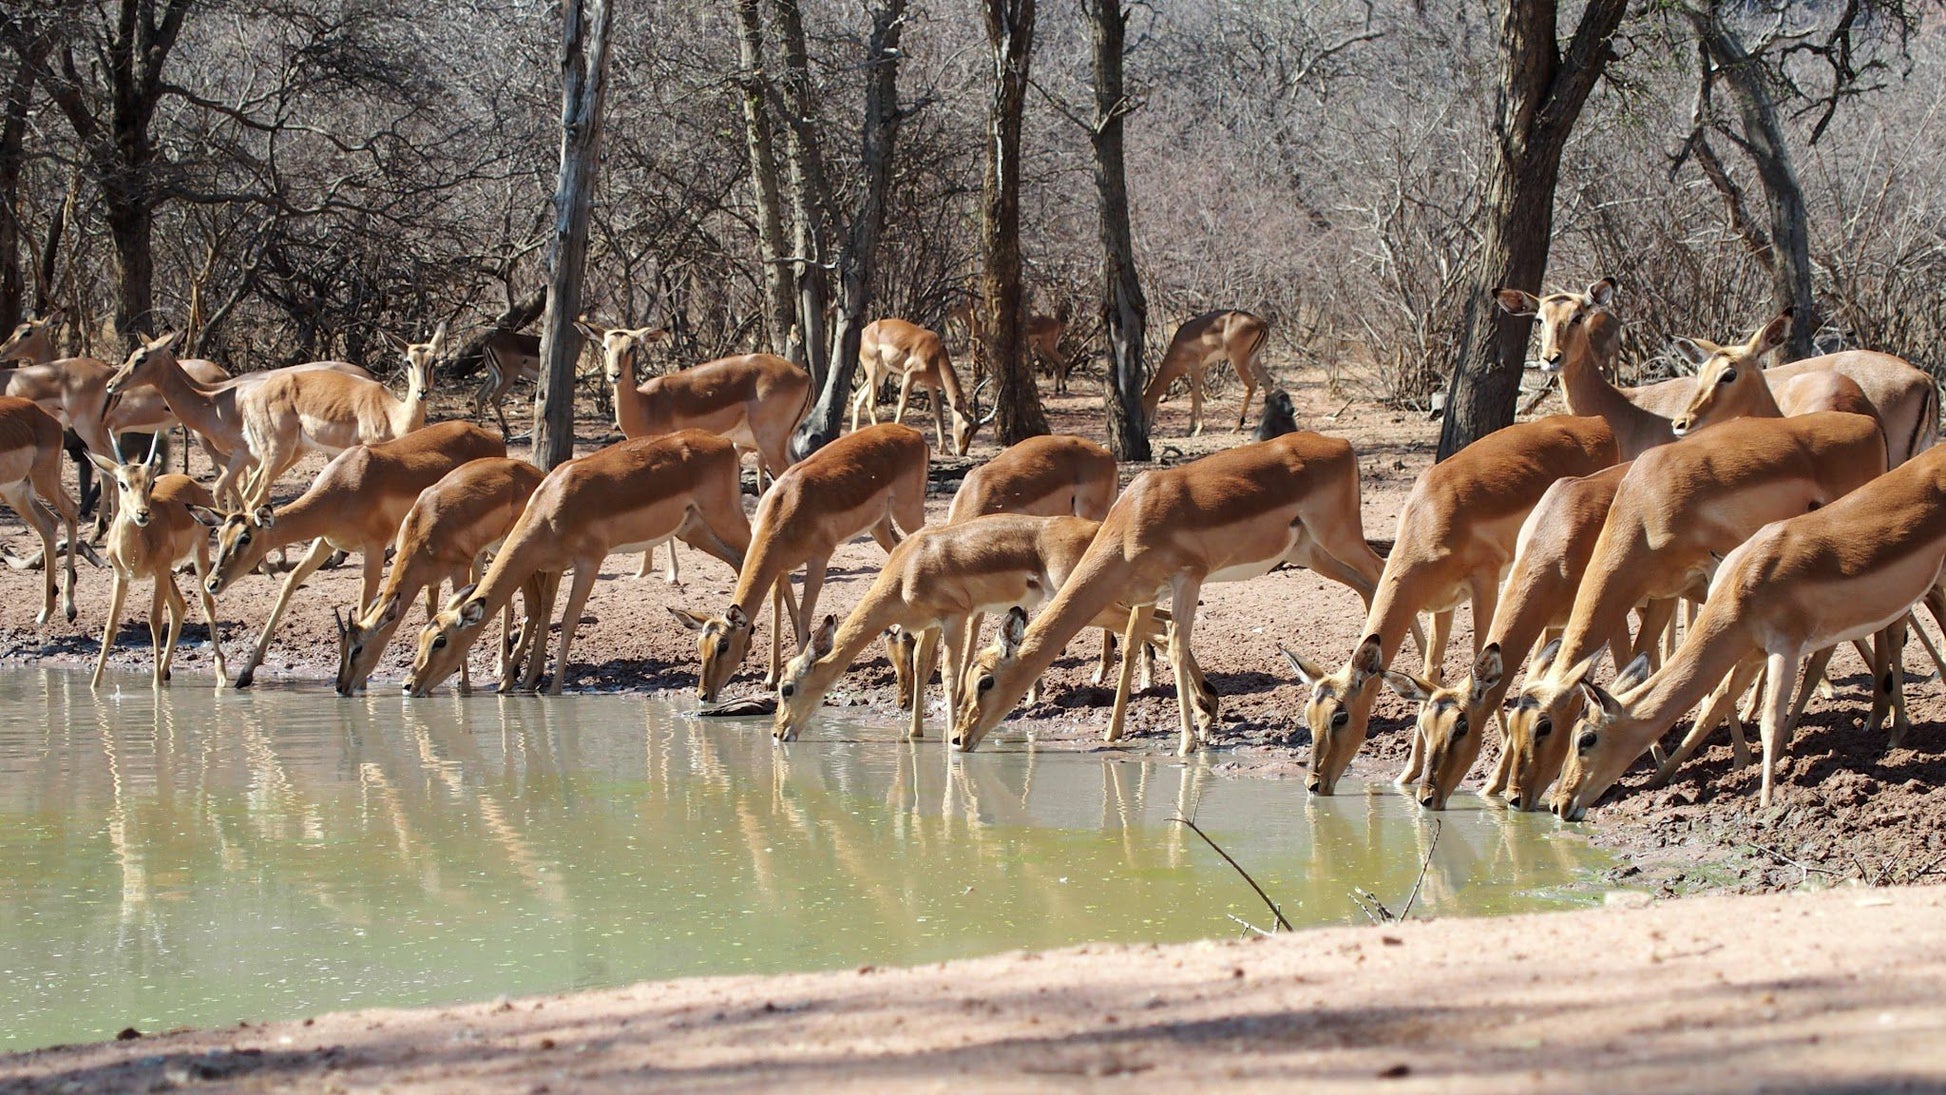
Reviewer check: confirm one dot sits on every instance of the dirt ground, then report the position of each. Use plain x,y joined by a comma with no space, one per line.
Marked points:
1850,809
1843,990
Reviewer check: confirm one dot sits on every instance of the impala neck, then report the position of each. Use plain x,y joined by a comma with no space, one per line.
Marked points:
882,607
1103,578
632,405
189,401
1609,589
1587,390
949,380
764,565
1706,657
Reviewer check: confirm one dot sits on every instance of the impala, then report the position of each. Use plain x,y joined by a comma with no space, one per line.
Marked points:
30,465
355,504
916,358
1048,476
32,340
1676,513
935,583
507,358
1840,573
1199,343
867,481
155,529
1230,516
624,498
442,538
1456,537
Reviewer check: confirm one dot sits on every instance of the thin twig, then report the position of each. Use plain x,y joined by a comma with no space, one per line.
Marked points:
1248,926
1437,825
1274,910
1384,915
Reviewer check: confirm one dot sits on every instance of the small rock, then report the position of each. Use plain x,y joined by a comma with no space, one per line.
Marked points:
1395,1072
127,1034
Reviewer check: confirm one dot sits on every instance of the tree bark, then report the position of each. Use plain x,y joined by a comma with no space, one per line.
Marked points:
1542,91
1003,329
584,63
858,259
30,53
1124,310
1763,139
810,196
779,307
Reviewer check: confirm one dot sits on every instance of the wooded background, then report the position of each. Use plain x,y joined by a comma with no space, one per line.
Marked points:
288,178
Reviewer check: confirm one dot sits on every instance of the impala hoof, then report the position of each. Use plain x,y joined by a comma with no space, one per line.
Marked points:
246,678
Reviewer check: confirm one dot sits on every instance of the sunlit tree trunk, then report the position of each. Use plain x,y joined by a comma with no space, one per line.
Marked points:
1003,327
810,197
779,308
1124,310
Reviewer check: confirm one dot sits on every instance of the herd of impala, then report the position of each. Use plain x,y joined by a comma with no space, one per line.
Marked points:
1801,507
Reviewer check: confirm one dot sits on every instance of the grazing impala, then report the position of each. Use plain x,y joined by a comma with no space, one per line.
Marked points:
355,504
1456,538
1676,513
1048,476
1729,384
507,358
30,465
624,498
916,358
1230,516
867,481
154,530
1198,344
443,538
935,583
1840,573
1580,335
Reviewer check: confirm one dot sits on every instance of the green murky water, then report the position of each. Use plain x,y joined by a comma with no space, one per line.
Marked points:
198,858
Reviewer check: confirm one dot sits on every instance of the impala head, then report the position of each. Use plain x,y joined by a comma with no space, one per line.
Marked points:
899,644
1451,724
804,681
1571,323
361,641
1604,745
1539,725
445,640
133,482
1727,376
420,356
964,427
1338,710
21,341
621,347
144,363
721,643
979,710
243,540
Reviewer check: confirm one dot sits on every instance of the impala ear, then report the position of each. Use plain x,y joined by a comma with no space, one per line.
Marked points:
1544,660
1771,335
391,611
1366,661
589,331
473,611
107,466
439,337
265,517
1693,350
737,618
1488,668
397,342
1308,673
822,640
459,598
206,516
689,619
1514,302
1603,292
1013,630
1633,674
167,340
1597,698
1408,686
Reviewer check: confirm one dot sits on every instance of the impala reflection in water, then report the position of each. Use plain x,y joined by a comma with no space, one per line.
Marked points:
188,857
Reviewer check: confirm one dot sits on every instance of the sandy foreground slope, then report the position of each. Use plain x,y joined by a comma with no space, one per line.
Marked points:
1839,990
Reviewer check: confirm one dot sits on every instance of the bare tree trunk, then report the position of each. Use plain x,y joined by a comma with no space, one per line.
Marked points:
1763,139
1542,91
584,63
13,132
857,261
809,194
1124,310
778,304
1003,329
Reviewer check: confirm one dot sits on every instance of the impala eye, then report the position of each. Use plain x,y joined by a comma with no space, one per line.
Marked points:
1543,728
722,648
1728,376
1578,317
1340,720
789,690
986,684
1587,741
1459,727
439,642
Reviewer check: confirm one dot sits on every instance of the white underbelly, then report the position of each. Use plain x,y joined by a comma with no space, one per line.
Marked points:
1243,571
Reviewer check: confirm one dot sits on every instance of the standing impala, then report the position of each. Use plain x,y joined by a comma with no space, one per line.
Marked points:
1839,573
1047,476
154,530
624,498
355,504
1230,516
1456,538
30,464
1237,337
32,340
507,358
916,358
443,537
867,481
1676,513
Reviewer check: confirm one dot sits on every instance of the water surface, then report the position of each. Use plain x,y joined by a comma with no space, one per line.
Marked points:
199,858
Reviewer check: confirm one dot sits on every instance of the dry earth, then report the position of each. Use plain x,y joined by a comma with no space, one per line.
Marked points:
1851,810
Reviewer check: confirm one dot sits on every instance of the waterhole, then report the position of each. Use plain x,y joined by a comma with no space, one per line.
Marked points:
198,858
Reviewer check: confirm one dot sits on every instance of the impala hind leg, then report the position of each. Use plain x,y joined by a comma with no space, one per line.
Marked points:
1182,609
1195,402
20,499
201,565
1133,639
585,573
1782,668
925,657
540,621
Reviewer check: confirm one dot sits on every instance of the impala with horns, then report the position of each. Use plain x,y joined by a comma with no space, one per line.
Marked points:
355,504
1676,513
1229,516
893,349
873,480
30,466
1850,569
1580,335
625,498
444,537
1237,337
1456,538
155,530
936,584
1730,384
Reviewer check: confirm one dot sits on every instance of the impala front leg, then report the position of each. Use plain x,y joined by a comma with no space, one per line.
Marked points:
925,656
307,566
1183,610
1134,639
